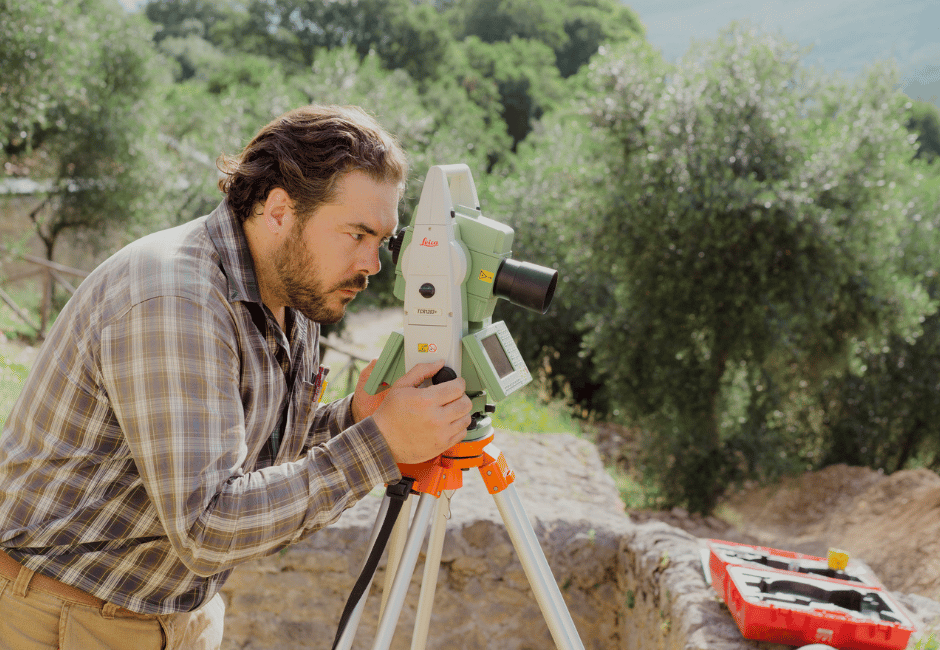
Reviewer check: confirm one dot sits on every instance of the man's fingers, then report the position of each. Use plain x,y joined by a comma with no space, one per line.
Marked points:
449,391
421,372
420,423
365,372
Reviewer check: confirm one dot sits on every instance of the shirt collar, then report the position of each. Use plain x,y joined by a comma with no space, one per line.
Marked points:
228,236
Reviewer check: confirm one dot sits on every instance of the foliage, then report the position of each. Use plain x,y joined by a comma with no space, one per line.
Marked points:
589,24
76,110
184,18
750,244
530,412
573,30
558,179
506,57
215,110
405,35
886,415
12,378
525,77
924,120
526,48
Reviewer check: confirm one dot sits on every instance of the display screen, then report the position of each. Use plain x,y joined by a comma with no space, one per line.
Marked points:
496,353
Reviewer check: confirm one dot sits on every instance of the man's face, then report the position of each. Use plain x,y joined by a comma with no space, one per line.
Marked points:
325,263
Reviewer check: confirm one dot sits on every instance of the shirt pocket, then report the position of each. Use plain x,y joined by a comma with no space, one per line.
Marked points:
300,417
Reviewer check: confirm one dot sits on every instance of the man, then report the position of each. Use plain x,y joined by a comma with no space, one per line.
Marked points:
169,428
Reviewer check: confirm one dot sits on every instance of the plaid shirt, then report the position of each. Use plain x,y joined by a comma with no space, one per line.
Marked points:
137,464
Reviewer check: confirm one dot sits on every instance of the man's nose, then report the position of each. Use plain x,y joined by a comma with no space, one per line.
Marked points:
371,263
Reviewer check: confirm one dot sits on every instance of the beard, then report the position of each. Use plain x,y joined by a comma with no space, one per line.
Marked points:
303,283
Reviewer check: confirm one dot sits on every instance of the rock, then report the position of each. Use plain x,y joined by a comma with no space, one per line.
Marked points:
627,586
483,599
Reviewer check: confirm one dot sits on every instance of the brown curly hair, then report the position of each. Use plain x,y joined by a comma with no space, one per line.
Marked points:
305,152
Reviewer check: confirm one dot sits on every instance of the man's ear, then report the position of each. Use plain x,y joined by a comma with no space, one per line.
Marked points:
278,211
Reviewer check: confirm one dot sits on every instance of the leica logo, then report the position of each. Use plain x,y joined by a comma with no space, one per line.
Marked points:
430,243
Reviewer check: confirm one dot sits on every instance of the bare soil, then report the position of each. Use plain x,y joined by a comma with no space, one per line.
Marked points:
891,523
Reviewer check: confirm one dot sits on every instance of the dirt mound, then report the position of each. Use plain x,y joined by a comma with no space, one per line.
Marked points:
892,523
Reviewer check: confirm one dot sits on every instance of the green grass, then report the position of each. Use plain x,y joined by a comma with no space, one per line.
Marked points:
635,494
526,411
12,377
927,642
522,411
29,299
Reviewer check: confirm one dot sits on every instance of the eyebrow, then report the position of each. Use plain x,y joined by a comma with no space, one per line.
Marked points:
369,230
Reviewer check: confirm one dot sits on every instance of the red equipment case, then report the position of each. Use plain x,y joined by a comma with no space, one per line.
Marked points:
791,598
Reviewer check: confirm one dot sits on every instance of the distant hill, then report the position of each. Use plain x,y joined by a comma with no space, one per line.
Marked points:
845,35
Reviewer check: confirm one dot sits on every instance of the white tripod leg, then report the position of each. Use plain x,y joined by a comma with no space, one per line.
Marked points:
349,633
432,565
409,559
396,545
536,568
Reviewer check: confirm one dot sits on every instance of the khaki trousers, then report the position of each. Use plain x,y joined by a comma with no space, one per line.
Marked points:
34,619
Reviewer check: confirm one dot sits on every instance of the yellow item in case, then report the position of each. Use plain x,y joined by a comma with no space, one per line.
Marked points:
838,559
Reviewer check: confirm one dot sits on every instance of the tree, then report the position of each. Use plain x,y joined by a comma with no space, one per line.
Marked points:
182,18
494,21
589,24
524,75
405,35
558,178
573,30
527,48
759,241
78,86
886,414
924,120
748,243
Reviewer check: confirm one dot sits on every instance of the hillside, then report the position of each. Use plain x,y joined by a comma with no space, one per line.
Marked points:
845,35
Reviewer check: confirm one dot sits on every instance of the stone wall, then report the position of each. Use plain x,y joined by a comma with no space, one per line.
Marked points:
627,586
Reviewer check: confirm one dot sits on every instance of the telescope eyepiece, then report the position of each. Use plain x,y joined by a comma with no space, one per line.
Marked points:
394,245
525,284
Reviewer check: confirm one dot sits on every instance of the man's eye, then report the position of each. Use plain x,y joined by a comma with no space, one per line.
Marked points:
357,236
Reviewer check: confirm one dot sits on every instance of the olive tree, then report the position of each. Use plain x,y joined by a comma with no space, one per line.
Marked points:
886,414
78,95
745,244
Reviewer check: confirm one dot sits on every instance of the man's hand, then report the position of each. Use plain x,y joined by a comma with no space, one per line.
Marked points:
363,404
421,423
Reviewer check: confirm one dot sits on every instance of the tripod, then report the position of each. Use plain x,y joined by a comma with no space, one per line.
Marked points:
432,479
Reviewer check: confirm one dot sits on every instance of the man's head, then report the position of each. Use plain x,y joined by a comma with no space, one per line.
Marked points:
305,152
317,191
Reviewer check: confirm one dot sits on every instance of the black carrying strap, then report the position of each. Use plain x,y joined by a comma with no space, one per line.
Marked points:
397,494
